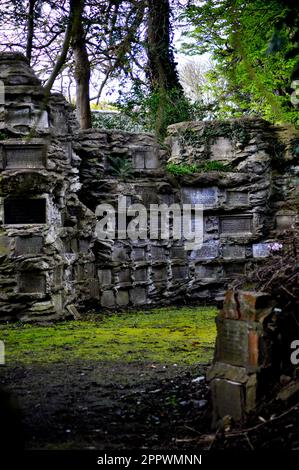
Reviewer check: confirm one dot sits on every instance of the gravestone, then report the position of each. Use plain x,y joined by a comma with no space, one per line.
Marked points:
31,283
25,211
192,195
25,156
235,224
124,276
232,342
28,245
20,116
234,269
138,254
122,298
178,252
236,198
108,299
145,159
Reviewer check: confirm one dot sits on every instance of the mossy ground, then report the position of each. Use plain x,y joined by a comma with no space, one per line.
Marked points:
165,336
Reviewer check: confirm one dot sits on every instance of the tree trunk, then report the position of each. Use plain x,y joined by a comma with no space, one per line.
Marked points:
30,29
82,67
161,64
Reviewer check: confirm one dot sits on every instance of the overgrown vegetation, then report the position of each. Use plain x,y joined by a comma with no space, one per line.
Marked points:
167,336
188,169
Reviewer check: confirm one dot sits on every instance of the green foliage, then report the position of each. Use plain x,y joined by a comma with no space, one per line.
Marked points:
120,167
119,121
165,336
188,169
255,48
155,111
3,135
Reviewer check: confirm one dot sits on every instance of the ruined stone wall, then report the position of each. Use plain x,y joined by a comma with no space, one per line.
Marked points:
53,177
46,233
245,206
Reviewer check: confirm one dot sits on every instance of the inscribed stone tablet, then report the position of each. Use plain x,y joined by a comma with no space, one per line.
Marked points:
25,156
179,272
202,271
158,253
260,250
232,342
222,149
159,274
235,224
207,251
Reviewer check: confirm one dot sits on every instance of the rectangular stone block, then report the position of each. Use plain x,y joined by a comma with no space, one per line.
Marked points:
234,269
138,254
206,196
232,342
207,251
261,250
25,156
228,399
122,298
120,254
235,224
139,160
20,116
108,299
31,283
179,272
207,271
159,274
124,276
25,211
233,251
105,277
158,253
28,245
222,149
178,252
138,295
140,275
151,160
236,198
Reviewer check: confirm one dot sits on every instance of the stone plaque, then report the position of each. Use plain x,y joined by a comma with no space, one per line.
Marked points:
228,399
158,253
206,196
236,198
25,211
138,295
140,274
234,269
179,272
233,251
120,254
232,342
122,298
25,156
31,283
178,252
261,250
124,275
222,149
159,274
28,245
138,254
151,160
207,251
139,160
19,116
206,271
107,299
105,277
236,224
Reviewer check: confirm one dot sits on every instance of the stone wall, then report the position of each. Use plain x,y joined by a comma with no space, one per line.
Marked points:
245,206
54,177
46,233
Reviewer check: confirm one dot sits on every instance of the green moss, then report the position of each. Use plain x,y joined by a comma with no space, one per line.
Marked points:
182,336
187,169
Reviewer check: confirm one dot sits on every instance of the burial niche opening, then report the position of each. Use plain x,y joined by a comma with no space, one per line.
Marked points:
25,211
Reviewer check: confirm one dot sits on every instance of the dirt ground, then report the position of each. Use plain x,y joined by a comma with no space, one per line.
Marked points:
124,406
92,405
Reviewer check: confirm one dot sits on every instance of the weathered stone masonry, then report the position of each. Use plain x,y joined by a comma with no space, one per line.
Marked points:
54,176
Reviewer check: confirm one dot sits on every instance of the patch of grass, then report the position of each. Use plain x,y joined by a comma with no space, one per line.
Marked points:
165,336
188,169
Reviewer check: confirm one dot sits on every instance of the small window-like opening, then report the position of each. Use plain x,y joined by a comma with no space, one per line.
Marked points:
25,211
